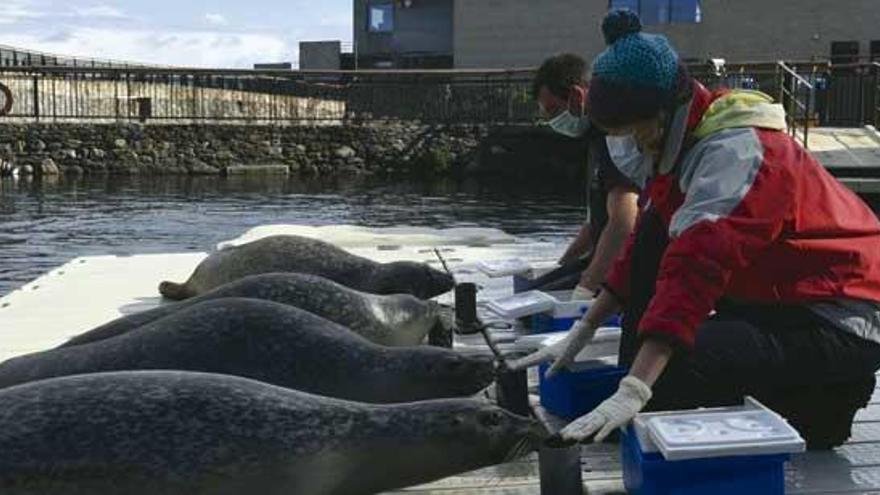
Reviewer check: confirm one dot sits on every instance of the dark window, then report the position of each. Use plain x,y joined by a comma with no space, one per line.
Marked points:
380,18
875,51
844,52
662,11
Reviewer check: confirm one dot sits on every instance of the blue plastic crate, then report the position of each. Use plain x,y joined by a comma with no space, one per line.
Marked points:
521,283
570,394
651,474
546,323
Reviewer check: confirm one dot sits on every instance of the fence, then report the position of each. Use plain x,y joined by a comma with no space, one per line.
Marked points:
813,93
113,94
876,66
16,57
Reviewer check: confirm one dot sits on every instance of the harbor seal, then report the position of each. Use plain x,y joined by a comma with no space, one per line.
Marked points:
273,343
286,253
181,433
393,320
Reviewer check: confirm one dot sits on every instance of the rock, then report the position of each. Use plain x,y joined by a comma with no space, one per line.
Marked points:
198,167
120,143
48,167
98,154
300,148
73,170
345,152
39,146
68,154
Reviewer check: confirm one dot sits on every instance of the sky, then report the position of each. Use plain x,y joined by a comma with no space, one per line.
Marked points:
220,33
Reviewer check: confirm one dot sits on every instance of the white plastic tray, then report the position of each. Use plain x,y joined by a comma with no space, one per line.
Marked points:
751,429
566,307
603,347
521,305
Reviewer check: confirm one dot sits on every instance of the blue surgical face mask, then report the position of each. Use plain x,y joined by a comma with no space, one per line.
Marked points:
568,125
627,157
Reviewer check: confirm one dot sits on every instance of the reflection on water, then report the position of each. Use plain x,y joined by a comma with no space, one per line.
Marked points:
43,225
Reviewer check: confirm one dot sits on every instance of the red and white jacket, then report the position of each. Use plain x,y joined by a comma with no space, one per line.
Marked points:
754,218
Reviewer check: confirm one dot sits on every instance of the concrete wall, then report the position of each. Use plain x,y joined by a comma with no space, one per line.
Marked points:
320,55
504,33
518,33
426,27
762,30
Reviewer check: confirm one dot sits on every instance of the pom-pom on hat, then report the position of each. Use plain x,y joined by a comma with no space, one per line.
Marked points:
636,76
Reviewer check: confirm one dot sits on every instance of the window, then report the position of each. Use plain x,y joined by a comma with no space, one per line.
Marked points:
380,18
662,11
844,52
875,51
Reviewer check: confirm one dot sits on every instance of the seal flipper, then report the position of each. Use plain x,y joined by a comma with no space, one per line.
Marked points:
175,291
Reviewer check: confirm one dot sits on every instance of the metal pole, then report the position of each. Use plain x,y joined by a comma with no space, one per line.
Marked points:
37,98
810,95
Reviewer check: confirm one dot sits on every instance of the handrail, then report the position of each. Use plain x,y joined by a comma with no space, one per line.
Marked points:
790,94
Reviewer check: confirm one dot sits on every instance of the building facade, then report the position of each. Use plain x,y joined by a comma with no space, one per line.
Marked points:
403,33
520,33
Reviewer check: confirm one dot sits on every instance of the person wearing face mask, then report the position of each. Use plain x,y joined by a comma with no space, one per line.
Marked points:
561,91
752,270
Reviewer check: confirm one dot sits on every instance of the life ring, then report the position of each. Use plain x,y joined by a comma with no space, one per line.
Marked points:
7,100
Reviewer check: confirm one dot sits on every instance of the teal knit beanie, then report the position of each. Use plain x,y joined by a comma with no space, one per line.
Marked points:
636,76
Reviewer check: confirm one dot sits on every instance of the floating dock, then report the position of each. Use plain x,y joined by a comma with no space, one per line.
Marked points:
87,292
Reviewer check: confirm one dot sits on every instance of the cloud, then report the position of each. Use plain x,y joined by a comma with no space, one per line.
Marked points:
216,20
162,47
100,11
14,11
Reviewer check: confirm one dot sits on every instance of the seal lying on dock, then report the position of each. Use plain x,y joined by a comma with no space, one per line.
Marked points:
273,343
393,320
304,255
180,433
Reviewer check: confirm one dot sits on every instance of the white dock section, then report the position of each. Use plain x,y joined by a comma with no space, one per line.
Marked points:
856,148
88,292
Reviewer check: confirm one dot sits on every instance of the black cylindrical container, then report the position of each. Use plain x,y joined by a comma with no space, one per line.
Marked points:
466,320
560,469
513,392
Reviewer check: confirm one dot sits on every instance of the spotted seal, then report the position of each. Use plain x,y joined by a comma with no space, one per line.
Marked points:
286,253
273,343
392,320
183,433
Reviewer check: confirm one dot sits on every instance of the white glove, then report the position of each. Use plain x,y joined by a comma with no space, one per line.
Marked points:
620,409
582,293
562,353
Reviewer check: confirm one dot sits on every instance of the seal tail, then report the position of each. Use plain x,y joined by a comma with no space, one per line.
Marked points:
174,291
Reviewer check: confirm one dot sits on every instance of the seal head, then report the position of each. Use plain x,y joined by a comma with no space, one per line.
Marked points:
409,277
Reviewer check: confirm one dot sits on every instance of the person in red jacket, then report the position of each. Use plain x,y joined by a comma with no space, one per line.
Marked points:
752,270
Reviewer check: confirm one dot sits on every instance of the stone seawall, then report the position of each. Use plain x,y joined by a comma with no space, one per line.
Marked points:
215,149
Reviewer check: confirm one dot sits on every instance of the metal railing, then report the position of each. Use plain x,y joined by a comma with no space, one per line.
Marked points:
876,66
160,94
813,94
797,95
11,56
